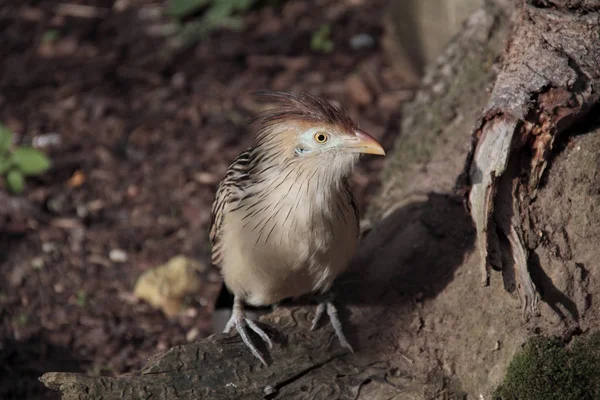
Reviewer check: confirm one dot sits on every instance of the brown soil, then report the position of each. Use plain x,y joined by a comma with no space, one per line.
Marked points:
144,136
565,233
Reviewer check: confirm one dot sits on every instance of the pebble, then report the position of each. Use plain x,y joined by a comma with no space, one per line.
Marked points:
37,263
268,390
49,247
362,41
117,256
47,140
192,334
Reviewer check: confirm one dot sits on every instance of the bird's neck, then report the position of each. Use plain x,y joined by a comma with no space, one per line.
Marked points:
318,181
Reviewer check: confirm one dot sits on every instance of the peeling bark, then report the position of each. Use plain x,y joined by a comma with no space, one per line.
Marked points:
549,79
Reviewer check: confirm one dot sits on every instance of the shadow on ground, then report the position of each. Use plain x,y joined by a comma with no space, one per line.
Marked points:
23,362
413,252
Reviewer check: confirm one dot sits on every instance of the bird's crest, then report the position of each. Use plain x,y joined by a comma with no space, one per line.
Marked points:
303,108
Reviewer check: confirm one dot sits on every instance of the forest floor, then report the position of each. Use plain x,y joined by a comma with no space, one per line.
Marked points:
139,136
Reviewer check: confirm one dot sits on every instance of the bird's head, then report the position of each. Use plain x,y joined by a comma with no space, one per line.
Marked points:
304,128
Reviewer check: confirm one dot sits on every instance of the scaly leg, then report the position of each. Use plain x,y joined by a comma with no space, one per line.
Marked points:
239,320
327,305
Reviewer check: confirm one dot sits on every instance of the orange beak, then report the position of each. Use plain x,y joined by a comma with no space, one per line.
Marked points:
363,143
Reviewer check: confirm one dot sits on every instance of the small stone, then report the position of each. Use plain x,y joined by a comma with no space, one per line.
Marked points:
133,191
362,41
191,312
49,247
268,390
178,80
417,323
206,178
438,88
117,256
192,334
17,276
162,346
37,263
82,211
48,140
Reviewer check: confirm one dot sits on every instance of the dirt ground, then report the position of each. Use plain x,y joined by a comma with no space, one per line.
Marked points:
138,138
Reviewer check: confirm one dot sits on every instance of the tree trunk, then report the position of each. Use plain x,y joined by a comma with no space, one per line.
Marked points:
422,324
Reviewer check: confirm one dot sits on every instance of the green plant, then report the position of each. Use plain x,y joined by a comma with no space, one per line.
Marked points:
17,162
546,370
321,41
50,35
81,298
21,319
217,14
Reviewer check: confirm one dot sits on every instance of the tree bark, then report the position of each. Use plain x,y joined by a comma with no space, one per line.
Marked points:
549,80
422,325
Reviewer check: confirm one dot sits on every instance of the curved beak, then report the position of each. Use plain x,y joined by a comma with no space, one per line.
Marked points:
364,143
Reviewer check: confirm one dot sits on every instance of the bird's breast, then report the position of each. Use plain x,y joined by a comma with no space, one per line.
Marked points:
288,242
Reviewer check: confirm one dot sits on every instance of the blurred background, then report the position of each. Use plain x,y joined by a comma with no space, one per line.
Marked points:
117,120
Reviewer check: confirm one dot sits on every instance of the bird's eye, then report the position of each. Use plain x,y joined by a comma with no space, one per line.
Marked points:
321,137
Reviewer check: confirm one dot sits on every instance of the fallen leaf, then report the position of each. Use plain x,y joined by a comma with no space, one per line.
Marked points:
166,286
77,179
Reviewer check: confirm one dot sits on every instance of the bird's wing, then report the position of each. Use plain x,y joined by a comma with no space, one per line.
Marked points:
227,192
352,202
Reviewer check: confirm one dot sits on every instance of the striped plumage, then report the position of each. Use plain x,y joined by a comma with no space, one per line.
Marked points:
284,219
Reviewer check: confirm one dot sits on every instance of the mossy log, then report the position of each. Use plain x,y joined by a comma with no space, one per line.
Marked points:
421,323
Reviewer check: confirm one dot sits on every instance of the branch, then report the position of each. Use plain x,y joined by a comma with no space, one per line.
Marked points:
221,367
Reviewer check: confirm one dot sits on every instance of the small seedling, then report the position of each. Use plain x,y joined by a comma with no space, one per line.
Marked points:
216,14
51,35
321,40
21,319
81,299
17,162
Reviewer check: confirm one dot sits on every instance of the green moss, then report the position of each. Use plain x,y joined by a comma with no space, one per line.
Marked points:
546,370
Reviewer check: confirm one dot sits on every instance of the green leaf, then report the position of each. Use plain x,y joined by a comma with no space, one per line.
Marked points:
50,35
81,300
6,137
30,161
181,8
15,180
5,164
320,40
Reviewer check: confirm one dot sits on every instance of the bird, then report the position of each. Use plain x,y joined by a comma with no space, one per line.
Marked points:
284,219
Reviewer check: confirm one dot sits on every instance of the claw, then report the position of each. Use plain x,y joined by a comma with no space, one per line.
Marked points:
318,315
239,320
335,321
337,326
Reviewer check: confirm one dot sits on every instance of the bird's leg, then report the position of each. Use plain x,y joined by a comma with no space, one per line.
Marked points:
326,304
239,320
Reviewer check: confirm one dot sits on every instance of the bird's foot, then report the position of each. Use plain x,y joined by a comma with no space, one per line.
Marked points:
239,320
335,322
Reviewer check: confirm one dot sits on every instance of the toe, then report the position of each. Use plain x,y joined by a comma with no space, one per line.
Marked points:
263,335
